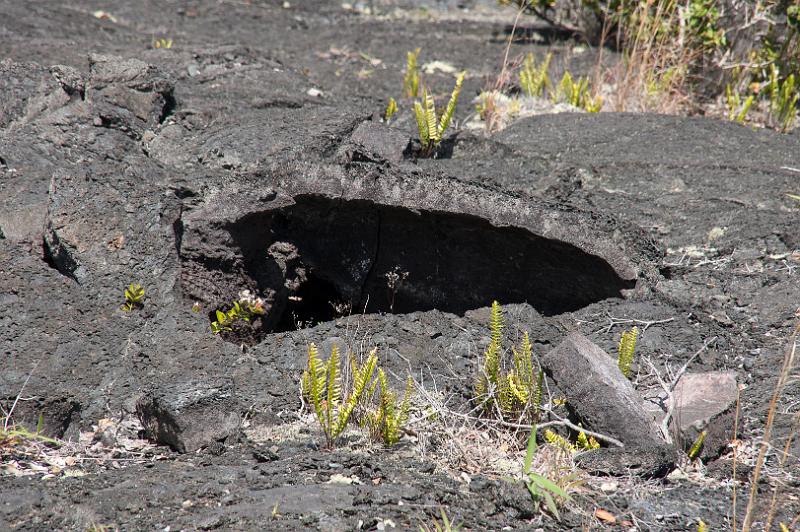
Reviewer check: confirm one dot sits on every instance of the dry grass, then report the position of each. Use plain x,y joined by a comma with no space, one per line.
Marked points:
653,74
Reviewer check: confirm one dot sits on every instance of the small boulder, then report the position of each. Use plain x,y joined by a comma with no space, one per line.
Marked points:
191,415
705,401
597,392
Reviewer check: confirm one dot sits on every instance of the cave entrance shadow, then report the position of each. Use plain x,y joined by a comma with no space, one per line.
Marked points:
321,252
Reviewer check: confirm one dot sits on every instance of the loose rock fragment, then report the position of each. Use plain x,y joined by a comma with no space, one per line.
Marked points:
597,392
705,401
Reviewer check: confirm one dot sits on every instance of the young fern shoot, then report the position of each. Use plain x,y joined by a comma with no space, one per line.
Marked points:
431,126
627,345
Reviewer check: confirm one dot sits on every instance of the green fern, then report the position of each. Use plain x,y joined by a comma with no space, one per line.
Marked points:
391,109
784,96
386,422
517,392
577,94
411,77
534,80
489,376
322,385
737,111
430,125
625,351
134,297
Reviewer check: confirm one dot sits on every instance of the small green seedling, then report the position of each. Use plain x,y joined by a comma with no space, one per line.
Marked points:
391,109
697,446
431,126
134,297
162,43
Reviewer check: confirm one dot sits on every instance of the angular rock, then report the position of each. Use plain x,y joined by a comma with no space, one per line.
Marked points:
372,141
648,461
598,394
705,401
191,415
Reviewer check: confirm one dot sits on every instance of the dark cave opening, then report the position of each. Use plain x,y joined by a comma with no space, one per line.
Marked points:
314,301
320,253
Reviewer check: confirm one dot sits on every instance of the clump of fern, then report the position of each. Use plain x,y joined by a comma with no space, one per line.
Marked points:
625,351
134,297
515,393
322,386
387,420
576,93
582,443
535,79
245,309
431,124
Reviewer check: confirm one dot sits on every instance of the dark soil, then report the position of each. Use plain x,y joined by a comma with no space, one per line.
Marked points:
213,167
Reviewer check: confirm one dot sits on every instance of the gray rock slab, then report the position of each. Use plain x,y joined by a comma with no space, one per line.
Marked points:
189,416
598,394
649,461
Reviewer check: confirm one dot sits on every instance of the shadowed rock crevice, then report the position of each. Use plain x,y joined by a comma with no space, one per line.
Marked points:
321,256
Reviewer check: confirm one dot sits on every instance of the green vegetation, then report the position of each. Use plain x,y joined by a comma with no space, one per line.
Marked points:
583,443
386,422
431,124
697,446
737,111
411,77
391,109
10,434
625,351
540,487
576,93
443,526
672,50
335,402
322,386
162,43
134,297
243,310
514,394
535,79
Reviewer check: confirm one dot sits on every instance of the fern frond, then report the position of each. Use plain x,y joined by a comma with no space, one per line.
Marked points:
391,109
538,396
625,351
422,124
450,110
523,362
533,79
334,395
430,118
697,446
559,441
315,378
411,77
